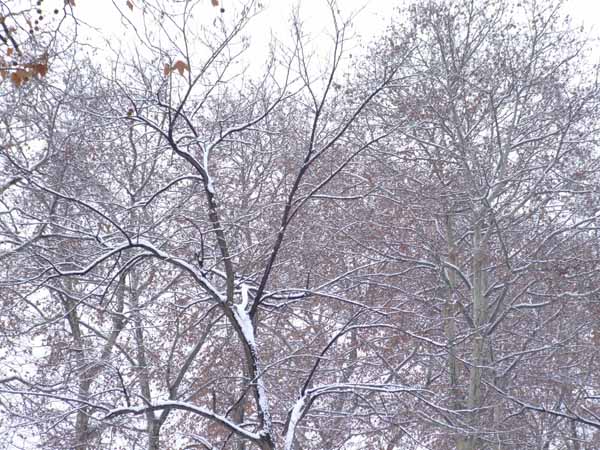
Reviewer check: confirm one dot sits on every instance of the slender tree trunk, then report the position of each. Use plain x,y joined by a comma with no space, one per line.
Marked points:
85,377
154,435
152,423
450,311
450,315
82,421
478,357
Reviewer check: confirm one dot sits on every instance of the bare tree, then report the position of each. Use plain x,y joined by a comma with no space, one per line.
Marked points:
396,251
158,245
494,133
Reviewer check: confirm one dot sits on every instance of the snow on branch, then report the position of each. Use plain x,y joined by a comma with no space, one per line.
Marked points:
184,406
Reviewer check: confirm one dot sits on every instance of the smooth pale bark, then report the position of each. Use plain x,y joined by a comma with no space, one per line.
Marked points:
152,422
479,356
450,311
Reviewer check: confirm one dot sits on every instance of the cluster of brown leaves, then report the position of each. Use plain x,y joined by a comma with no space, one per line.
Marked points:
179,65
22,73
18,62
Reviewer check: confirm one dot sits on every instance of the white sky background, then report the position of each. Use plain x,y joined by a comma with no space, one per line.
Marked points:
370,22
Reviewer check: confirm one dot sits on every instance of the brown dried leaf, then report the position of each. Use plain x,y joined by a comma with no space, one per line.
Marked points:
130,5
214,2
9,51
180,66
40,69
167,70
18,77
70,2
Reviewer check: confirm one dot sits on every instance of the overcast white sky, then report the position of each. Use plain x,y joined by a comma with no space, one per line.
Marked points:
375,12
369,23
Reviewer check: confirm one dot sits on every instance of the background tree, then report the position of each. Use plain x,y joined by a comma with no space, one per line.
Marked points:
493,133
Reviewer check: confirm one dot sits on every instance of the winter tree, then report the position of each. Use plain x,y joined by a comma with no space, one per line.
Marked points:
342,249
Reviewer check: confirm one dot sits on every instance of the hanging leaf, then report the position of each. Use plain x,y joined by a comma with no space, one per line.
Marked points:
70,2
167,70
9,51
18,77
130,5
40,69
180,66
215,2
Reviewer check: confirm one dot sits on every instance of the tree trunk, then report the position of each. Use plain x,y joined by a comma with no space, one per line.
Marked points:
478,355
450,315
